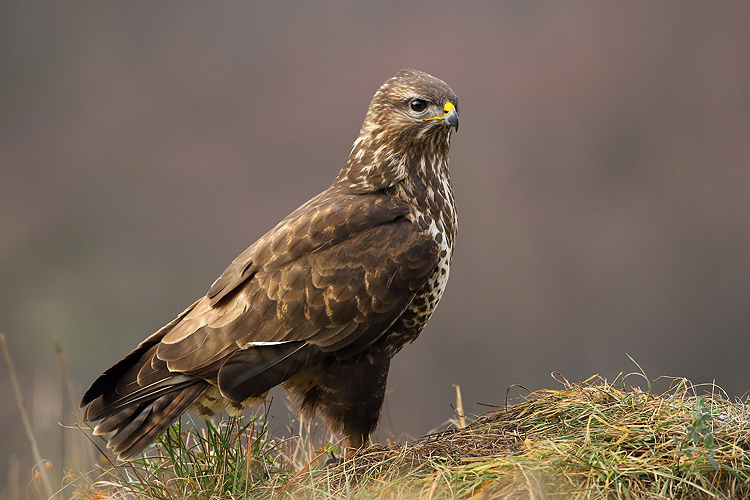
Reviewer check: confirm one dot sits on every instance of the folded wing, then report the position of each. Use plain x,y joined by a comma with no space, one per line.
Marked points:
329,280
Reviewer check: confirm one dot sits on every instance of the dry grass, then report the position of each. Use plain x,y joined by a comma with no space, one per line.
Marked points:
592,440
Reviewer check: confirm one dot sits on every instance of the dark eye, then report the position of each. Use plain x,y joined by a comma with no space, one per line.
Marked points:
418,105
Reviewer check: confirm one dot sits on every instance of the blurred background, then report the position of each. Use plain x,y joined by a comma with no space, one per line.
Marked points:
601,173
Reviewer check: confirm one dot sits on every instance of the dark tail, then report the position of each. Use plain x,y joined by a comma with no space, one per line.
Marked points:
139,398
136,427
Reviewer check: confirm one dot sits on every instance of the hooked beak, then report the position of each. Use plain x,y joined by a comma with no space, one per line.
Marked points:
450,116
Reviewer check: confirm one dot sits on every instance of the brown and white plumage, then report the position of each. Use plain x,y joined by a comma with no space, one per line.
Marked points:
322,301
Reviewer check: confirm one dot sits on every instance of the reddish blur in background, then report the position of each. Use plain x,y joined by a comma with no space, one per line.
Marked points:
601,172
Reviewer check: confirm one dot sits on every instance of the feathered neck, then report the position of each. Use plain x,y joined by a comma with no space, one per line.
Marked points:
382,157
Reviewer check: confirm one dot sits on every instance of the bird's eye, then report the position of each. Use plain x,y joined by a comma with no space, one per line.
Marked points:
418,105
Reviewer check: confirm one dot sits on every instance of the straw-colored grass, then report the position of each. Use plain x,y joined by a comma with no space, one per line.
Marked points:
592,440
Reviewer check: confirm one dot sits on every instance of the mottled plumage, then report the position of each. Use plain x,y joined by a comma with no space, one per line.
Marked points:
322,301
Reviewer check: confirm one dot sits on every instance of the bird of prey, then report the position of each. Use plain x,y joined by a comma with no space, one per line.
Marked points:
321,302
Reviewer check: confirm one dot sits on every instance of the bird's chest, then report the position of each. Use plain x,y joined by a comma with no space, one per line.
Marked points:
435,215
426,299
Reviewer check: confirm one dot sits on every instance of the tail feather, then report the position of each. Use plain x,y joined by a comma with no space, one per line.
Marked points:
111,403
117,420
140,397
143,425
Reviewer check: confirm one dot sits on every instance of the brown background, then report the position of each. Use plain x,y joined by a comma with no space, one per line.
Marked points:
602,176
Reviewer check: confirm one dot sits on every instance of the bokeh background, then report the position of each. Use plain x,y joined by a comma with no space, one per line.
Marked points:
601,172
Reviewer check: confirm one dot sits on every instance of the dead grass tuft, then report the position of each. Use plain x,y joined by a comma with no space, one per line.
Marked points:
589,441
593,440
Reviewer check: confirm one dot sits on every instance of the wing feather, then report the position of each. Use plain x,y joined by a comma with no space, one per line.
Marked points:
264,296
325,220
334,287
252,372
347,270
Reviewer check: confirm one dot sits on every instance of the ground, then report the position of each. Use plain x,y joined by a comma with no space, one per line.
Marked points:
590,440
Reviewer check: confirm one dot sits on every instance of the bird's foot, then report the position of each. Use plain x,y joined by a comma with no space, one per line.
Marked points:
333,461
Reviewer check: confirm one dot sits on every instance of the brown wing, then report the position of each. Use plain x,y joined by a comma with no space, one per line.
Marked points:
284,288
339,298
325,220
352,293
331,277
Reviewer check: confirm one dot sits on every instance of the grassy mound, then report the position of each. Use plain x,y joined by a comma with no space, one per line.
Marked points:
588,441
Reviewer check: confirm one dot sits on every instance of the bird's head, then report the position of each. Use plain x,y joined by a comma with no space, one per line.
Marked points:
413,104
410,116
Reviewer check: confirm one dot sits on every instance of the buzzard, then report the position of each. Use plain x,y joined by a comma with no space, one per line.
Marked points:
321,302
